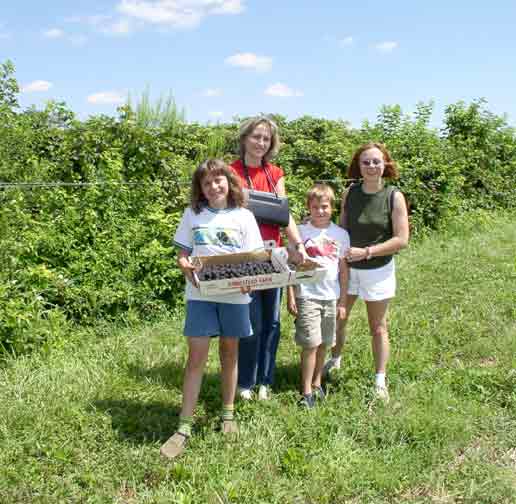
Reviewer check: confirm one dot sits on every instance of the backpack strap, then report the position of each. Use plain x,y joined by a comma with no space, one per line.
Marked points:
352,187
392,190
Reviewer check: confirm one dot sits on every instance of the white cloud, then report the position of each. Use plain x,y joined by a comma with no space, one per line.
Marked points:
53,33
216,114
211,92
36,86
106,98
385,47
346,41
178,13
250,61
282,90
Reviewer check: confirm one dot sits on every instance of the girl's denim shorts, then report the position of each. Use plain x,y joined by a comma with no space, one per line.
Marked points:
208,318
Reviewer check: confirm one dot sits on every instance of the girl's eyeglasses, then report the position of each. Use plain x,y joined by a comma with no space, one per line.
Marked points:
371,162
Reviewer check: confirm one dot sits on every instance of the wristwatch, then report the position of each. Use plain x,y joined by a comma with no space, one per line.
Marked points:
369,254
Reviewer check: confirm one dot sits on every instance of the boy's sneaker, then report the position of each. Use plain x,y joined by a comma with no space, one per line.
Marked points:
318,393
263,393
381,393
307,401
244,393
174,446
331,366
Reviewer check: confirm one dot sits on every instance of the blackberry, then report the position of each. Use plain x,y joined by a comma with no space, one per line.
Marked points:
248,268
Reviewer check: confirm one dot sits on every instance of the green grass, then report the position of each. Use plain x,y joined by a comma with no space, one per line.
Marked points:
83,422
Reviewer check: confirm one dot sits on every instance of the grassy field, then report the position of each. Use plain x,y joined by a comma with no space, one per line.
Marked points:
83,421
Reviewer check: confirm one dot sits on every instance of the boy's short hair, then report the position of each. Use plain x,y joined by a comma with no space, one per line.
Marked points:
319,191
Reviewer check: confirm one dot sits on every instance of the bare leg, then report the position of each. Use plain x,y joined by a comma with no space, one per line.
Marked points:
308,357
198,348
228,353
340,334
377,318
319,365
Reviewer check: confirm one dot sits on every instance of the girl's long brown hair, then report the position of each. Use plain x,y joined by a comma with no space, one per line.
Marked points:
215,167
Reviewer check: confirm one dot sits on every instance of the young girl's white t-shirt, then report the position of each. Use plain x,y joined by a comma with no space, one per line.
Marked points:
214,232
327,246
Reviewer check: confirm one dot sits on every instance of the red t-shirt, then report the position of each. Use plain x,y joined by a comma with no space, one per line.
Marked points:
261,183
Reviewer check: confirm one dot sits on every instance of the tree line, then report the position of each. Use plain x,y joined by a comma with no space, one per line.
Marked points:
88,207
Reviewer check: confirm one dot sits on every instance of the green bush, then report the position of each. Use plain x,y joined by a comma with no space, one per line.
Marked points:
88,237
485,149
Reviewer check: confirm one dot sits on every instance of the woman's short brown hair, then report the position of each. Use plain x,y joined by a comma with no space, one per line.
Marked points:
390,171
248,126
215,167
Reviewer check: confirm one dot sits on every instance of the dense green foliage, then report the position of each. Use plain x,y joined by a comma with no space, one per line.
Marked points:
88,208
83,423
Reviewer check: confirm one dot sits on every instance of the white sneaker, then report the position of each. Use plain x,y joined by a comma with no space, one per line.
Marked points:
263,393
381,393
330,366
244,393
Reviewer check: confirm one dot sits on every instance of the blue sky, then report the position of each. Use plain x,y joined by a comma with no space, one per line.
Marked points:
225,58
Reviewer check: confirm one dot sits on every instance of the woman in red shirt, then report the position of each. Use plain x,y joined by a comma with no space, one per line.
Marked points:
259,143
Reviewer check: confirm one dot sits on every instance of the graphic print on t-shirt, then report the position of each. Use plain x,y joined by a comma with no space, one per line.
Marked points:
222,237
322,246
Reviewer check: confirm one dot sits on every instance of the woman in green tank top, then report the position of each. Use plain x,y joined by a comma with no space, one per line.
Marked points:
376,219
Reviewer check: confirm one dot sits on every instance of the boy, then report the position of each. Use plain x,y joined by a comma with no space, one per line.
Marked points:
317,306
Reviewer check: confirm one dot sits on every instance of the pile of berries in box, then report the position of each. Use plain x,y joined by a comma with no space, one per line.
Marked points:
248,268
259,270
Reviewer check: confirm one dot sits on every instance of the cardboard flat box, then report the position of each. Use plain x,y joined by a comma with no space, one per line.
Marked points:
309,272
277,256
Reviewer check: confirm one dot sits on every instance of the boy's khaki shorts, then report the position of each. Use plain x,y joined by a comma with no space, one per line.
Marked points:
315,323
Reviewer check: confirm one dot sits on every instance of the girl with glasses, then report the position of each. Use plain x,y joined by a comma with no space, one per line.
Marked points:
376,218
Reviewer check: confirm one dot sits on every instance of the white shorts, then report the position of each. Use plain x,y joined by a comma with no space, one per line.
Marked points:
373,284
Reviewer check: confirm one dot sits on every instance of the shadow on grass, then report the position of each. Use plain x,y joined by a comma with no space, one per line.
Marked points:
169,375
147,422
140,422
287,377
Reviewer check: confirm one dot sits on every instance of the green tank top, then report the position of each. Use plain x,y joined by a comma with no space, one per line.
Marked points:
369,221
